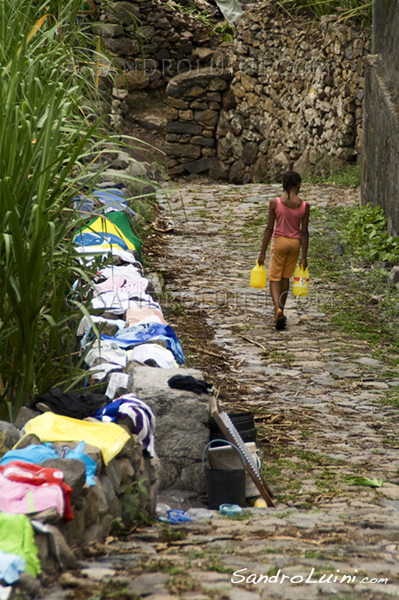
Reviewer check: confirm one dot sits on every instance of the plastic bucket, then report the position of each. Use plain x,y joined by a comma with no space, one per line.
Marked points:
224,486
225,457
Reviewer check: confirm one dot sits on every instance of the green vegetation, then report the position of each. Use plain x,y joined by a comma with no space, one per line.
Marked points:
345,242
172,535
367,234
342,9
50,140
348,175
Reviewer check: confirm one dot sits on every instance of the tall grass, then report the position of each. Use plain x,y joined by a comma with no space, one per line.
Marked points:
343,9
47,131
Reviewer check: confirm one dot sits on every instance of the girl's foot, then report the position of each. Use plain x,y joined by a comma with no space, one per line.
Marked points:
280,320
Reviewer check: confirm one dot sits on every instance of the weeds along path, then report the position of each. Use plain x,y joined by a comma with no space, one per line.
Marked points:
322,413
318,395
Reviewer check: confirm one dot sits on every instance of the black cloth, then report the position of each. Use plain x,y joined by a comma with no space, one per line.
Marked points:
70,405
190,384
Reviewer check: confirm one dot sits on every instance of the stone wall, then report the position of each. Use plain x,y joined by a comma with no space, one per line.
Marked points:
380,175
295,100
182,425
194,104
96,508
299,89
153,40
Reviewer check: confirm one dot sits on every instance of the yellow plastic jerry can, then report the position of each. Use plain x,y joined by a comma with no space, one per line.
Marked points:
258,276
301,282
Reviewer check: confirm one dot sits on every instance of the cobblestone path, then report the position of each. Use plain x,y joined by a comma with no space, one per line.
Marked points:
317,397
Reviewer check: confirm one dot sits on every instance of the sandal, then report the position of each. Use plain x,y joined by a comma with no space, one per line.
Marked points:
281,322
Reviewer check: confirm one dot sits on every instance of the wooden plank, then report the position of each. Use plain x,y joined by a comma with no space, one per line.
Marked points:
232,435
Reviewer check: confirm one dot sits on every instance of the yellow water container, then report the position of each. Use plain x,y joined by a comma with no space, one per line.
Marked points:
258,276
301,282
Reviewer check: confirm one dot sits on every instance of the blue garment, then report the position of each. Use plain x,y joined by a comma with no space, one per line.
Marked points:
33,454
38,453
11,566
90,464
141,415
138,334
111,198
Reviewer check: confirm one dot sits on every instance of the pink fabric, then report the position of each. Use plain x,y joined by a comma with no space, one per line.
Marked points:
111,284
23,472
288,220
24,498
136,316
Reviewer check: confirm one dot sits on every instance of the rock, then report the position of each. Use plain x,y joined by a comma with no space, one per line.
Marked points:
25,414
183,151
394,275
137,80
279,164
237,172
199,166
148,584
207,118
122,12
339,250
108,29
183,127
98,574
218,171
179,446
382,264
74,473
9,436
249,153
260,170
27,440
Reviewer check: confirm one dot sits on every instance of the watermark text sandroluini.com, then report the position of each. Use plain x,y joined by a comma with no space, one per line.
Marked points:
243,576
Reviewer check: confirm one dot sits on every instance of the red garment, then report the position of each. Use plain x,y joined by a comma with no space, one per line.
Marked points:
23,472
288,220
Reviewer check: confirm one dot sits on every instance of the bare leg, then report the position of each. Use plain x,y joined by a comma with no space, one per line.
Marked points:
275,291
285,286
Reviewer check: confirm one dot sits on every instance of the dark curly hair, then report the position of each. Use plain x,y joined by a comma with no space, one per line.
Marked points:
290,180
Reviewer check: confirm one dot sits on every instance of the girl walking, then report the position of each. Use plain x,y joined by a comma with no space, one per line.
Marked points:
287,227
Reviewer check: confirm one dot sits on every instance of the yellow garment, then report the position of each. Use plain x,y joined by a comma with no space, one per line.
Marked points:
108,437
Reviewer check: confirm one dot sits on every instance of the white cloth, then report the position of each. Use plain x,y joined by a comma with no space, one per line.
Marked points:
115,382
107,351
85,324
129,272
88,253
161,356
101,371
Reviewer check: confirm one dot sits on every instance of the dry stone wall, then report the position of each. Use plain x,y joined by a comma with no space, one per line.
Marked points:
153,40
194,104
116,494
295,99
299,89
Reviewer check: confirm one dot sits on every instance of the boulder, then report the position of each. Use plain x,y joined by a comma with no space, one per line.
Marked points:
182,429
9,436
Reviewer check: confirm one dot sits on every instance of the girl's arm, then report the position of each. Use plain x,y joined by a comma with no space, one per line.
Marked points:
305,237
268,231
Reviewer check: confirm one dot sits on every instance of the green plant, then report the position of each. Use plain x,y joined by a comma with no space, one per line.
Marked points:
341,9
130,502
44,135
171,535
367,232
348,175
50,140
202,16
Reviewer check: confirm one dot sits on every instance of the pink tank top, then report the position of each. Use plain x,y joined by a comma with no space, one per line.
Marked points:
288,220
